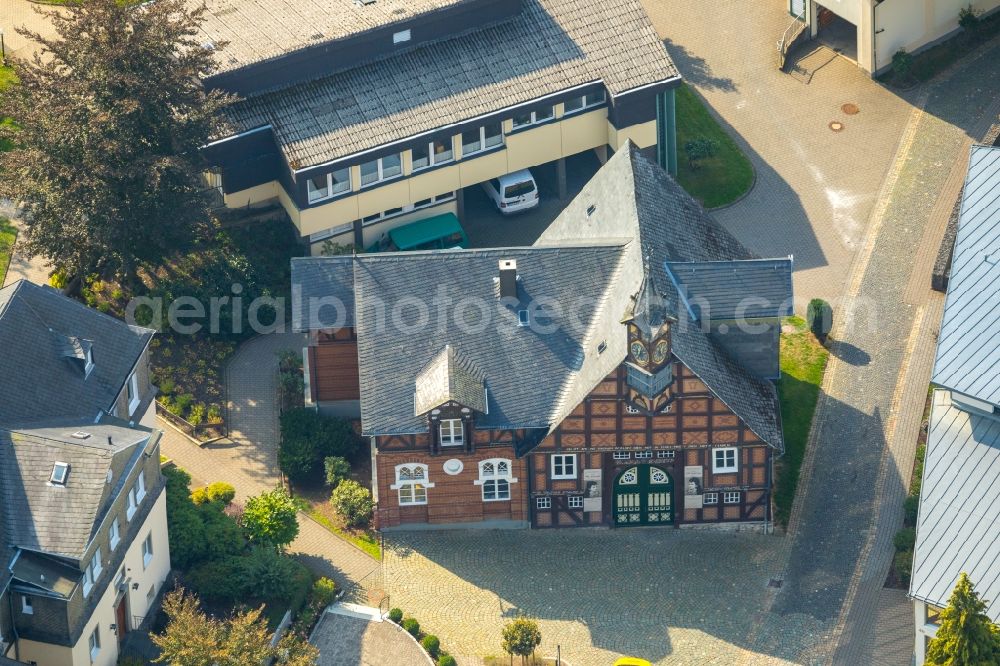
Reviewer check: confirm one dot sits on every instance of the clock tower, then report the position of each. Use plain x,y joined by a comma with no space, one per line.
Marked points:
649,361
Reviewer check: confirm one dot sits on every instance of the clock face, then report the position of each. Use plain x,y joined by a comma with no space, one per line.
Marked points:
660,351
639,352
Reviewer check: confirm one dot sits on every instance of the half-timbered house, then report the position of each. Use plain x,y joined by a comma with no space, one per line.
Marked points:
617,372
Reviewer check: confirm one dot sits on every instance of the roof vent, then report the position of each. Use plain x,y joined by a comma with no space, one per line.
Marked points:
401,36
590,209
602,347
79,434
508,278
59,473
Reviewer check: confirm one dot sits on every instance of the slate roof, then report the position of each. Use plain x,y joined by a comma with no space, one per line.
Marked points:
41,378
729,290
968,349
587,266
959,506
449,377
551,46
60,520
258,30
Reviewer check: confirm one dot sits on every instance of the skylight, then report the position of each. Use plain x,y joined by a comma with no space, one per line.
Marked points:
59,473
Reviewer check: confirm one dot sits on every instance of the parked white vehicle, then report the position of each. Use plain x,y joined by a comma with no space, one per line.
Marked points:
513,192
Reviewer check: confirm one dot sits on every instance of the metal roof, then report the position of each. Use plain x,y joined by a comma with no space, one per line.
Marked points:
968,351
958,528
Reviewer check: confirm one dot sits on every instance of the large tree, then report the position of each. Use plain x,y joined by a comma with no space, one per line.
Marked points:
966,636
192,638
271,519
107,123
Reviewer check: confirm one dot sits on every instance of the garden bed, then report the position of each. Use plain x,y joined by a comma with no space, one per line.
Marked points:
316,504
803,361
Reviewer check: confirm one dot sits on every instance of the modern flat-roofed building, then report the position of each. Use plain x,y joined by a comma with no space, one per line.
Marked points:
361,116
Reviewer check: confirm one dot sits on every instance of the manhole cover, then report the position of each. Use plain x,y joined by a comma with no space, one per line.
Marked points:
836,126
774,582
850,109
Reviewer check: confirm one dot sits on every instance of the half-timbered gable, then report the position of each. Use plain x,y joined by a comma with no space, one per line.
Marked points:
579,381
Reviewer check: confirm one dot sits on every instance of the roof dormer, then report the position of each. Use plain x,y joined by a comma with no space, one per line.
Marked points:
78,350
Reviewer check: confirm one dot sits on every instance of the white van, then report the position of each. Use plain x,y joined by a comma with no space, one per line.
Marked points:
513,192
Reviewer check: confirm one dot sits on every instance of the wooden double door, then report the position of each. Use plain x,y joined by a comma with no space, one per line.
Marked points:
643,495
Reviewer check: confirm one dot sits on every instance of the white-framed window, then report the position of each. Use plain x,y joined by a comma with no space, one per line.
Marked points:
564,466
332,231
621,455
140,486
132,390
381,169
495,477
731,497
575,501
582,102
326,185
430,154
643,455
533,117
481,138
95,644
114,534
26,606
60,471
147,550
150,595
711,498
543,502
131,504
92,572
669,455
724,460
401,36
452,432
392,212
88,363
412,483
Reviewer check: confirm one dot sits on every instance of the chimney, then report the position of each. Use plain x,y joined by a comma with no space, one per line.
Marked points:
508,278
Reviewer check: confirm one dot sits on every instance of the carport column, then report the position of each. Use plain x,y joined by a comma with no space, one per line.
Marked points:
460,204
666,131
359,237
561,176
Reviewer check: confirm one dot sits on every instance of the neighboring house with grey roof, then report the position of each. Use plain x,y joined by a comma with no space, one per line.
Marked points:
565,383
83,537
959,513
358,117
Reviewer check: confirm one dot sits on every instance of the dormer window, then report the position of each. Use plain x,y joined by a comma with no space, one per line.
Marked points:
452,432
59,473
88,363
132,391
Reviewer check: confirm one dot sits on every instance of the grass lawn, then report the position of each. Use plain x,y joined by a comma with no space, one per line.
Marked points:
7,78
720,179
7,236
803,360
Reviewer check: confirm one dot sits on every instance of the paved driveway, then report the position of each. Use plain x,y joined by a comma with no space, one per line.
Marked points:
23,14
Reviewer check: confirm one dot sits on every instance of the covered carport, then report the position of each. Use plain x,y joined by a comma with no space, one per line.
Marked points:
835,24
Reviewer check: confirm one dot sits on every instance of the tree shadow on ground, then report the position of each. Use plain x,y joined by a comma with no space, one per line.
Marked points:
696,70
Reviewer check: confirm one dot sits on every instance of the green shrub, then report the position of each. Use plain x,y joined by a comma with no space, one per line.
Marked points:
183,403
412,626
699,149
903,563
223,537
432,645
271,518
197,414
447,660
968,19
59,279
199,495
323,592
214,414
353,502
819,318
902,64
167,386
910,507
307,437
905,539
337,469
396,615
221,492
197,531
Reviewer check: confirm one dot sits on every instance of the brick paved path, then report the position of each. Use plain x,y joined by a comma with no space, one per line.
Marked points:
344,640
248,460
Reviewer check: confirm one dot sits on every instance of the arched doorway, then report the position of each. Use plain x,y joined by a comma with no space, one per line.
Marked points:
643,495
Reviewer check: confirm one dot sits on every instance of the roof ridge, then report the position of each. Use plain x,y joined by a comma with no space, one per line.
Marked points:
103,448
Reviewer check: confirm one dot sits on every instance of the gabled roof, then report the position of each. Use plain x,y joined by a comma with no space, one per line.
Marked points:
729,290
586,267
959,506
449,377
550,46
60,519
42,337
968,348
